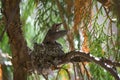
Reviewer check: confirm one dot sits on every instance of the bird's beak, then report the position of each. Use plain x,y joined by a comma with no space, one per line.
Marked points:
58,26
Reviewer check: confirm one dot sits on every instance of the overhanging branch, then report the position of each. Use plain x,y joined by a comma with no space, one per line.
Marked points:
76,56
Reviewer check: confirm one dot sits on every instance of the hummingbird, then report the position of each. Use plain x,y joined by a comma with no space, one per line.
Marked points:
54,33
48,54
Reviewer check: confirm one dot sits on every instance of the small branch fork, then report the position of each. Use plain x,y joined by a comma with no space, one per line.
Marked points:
77,56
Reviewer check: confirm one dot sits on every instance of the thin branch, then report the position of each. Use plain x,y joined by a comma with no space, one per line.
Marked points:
80,71
70,35
107,14
87,72
68,73
74,69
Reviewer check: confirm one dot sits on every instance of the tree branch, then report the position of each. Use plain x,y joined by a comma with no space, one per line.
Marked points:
77,56
18,45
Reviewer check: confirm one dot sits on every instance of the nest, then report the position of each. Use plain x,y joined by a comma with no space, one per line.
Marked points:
46,56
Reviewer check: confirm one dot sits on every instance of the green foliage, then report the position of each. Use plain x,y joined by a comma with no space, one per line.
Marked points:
26,8
46,16
99,74
4,44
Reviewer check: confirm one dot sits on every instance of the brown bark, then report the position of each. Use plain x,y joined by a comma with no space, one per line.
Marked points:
1,72
11,12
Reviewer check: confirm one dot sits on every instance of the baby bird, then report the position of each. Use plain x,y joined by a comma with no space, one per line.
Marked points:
54,33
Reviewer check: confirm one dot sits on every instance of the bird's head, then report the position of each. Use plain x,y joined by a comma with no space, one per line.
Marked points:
56,27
